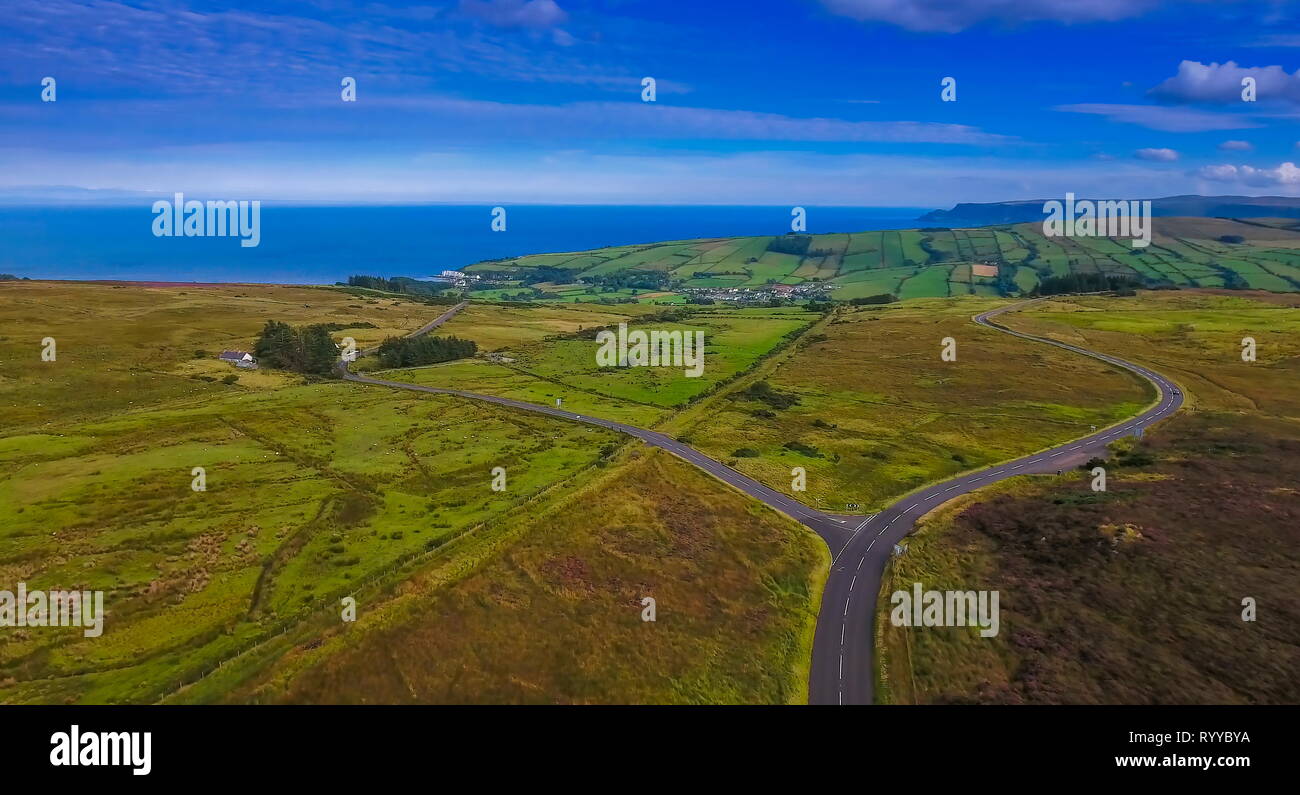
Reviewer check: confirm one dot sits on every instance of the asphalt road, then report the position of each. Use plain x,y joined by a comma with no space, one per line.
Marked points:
842,670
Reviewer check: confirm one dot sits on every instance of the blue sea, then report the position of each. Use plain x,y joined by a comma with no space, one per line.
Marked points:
326,244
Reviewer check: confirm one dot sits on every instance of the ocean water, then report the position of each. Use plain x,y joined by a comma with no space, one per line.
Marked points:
325,244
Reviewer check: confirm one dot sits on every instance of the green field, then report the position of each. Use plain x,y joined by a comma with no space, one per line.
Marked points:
310,492
883,414
1184,251
566,367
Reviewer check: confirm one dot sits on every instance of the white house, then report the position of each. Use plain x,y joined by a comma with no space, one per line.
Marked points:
239,359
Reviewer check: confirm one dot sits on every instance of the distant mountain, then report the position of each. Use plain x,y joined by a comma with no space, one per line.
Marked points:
1186,206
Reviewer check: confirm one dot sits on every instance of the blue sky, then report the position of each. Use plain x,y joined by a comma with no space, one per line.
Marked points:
783,102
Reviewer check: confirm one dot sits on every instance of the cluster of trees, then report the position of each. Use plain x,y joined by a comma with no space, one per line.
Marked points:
525,298
634,280
1083,283
799,245
427,291
374,283
791,243
417,351
306,349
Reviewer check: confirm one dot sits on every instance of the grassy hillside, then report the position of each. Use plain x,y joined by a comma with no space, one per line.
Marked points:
1132,595
316,490
934,262
125,347
311,492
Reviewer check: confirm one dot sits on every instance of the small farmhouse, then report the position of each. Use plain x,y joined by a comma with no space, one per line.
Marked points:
239,359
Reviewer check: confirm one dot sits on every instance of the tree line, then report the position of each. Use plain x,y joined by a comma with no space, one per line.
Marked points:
1083,283
417,351
304,349
429,292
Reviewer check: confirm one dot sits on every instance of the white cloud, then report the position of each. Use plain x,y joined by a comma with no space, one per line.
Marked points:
1159,155
1284,175
1220,173
1221,83
516,13
951,16
636,119
1163,118
1236,146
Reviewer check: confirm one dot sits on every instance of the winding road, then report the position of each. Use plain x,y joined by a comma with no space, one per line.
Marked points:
842,669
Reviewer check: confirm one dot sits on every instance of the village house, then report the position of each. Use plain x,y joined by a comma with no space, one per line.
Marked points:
239,359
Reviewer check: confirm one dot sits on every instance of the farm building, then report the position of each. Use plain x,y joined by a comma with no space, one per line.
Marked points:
239,359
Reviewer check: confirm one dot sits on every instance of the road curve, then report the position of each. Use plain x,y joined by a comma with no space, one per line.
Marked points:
842,669
834,529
